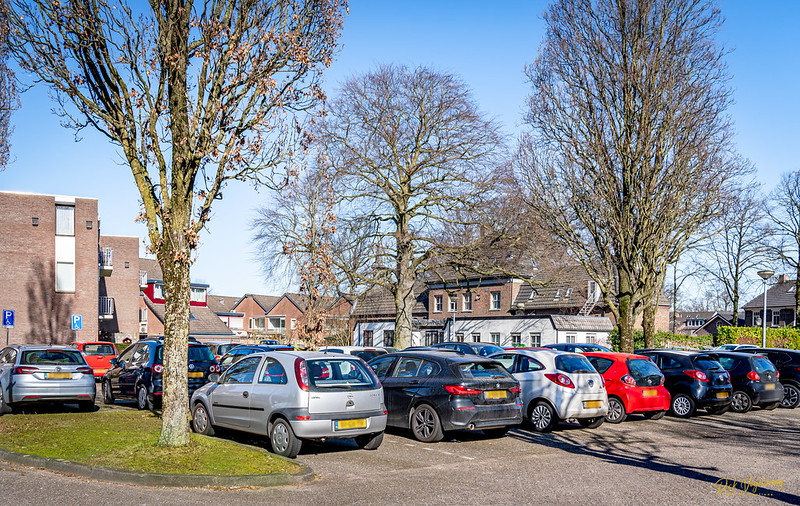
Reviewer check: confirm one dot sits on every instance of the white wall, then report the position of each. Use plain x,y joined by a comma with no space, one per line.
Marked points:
505,327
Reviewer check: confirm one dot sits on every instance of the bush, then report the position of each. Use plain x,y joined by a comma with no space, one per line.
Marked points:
780,337
662,340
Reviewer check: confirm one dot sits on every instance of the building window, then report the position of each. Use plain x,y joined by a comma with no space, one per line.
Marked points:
293,323
453,304
495,338
277,324
257,323
467,302
569,292
476,337
127,265
158,291
516,339
536,339
570,338
34,221
433,337
65,220
388,338
143,315
65,276
495,301
88,225
776,318
591,338
460,337
437,303
198,294
367,338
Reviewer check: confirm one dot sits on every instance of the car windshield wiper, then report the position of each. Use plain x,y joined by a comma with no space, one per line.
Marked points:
343,387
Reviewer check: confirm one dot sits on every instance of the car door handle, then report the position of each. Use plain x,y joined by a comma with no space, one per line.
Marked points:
413,382
245,394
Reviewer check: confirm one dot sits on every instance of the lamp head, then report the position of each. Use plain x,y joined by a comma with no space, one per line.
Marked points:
766,274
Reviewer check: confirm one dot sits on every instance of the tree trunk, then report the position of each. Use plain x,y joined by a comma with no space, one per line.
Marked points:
797,293
626,323
649,322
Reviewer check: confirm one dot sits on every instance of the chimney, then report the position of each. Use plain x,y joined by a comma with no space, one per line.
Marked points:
783,278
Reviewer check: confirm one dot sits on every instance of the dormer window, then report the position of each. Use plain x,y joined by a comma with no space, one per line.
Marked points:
569,292
558,294
158,291
198,294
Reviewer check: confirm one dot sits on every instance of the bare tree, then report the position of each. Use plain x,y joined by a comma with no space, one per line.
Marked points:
627,153
411,153
195,95
784,213
9,99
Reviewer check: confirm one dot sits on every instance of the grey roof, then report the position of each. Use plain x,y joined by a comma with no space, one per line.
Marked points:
264,301
151,267
379,301
205,321
587,323
778,295
222,304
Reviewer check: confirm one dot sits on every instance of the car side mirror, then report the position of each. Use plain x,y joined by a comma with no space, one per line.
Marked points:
113,361
213,377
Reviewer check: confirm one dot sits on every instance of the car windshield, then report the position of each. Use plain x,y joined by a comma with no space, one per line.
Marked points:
481,370
52,357
763,365
573,364
98,349
367,355
197,353
340,373
485,351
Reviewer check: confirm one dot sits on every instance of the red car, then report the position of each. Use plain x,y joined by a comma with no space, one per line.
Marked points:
634,385
98,355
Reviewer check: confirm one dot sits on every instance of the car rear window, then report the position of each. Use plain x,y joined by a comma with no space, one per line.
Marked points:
485,351
197,353
763,365
641,369
342,373
52,357
706,363
601,364
98,349
481,370
367,355
573,364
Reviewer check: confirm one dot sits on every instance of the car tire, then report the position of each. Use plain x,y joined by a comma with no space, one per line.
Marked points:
741,402
86,406
770,406
682,406
591,423
496,433
108,395
201,421
142,399
283,440
616,410
425,424
4,406
791,396
654,415
543,417
369,441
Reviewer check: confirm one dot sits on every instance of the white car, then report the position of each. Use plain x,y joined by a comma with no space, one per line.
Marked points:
734,347
557,386
365,353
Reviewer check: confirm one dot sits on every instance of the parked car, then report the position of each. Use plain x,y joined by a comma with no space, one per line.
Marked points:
220,348
293,396
788,364
364,353
634,384
31,374
98,355
481,349
432,392
577,347
241,351
269,341
557,385
137,372
754,379
694,380
734,347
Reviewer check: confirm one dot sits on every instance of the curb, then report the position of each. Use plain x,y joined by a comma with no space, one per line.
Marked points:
157,479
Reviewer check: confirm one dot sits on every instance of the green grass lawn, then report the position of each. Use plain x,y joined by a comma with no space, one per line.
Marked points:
128,440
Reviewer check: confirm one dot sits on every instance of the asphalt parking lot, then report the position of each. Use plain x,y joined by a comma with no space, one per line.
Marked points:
732,458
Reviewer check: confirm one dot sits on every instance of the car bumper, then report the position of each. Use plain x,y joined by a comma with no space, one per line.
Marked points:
31,393
763,396
322,425
711,397
635,402
576,407
464,414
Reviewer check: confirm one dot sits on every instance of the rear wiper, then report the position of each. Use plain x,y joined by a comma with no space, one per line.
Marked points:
343,387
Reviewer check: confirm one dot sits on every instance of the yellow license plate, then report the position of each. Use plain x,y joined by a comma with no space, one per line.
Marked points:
195,374
57,375
723,395
100,371
650,393
769,386
592,404
360,423
495,394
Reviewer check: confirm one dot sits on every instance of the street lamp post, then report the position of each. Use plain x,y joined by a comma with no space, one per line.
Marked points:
765,275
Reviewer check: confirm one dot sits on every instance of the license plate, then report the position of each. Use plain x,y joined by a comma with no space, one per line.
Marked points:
769,386
723,395
360,423
195,374
100,371
650,393
592,404
495,394
57,375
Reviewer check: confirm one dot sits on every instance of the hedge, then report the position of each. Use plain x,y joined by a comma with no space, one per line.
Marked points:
778,337
663,340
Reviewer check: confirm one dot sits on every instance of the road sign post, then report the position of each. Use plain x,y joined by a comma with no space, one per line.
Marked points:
8,321
77,324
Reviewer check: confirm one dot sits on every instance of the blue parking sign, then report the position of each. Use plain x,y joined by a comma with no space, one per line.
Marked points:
8,318
77,322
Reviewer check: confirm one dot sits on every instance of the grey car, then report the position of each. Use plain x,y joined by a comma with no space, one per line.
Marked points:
31,374
290,396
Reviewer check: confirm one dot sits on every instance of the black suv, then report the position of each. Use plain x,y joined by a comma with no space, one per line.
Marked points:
788,364
136,373
695,380
431,392
754,379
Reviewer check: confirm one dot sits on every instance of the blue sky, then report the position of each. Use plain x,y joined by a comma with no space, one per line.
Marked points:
486,43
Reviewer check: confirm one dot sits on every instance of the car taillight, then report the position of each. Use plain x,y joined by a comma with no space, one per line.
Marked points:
515,390
628,380
217,357
157,368
560,379
459,390
698,375
753,376
214,368
25,370
662,380
777,374
85,370
301,374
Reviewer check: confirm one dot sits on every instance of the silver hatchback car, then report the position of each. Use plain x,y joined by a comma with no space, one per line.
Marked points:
32,374
295,395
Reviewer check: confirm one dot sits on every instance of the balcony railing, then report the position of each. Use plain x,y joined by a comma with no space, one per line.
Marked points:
106,309
105,261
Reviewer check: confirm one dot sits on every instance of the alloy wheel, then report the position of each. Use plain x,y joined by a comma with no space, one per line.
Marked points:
791,396
740,402
615,410
682,406
541,417
424,423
